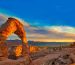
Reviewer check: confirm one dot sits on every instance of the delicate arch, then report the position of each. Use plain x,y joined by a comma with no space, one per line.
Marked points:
11,26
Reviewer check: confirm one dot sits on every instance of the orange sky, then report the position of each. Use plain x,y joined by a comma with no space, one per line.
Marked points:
54,40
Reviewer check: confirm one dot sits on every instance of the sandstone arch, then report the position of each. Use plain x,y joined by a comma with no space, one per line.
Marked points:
11,26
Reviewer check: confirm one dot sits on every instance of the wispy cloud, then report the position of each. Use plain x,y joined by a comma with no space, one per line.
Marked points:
64,29
45,33
3,19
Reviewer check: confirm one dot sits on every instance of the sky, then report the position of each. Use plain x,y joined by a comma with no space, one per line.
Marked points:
48,20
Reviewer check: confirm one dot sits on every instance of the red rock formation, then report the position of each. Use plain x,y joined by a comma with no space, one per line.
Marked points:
34,49
14,26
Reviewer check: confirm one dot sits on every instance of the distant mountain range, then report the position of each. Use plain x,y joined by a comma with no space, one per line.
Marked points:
19,42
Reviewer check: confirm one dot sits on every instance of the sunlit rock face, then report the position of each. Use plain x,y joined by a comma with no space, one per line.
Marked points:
34,49
18,50
15,52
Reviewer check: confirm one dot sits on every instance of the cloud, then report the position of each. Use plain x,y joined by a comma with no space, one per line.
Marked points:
48,33
61,29
44,33
3,19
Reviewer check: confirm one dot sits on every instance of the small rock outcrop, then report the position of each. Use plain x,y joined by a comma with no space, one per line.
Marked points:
61,60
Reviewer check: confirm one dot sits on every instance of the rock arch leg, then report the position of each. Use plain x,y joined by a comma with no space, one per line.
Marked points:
3,48
25,48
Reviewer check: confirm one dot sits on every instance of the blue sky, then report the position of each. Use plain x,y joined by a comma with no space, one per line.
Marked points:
48,19
47,12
